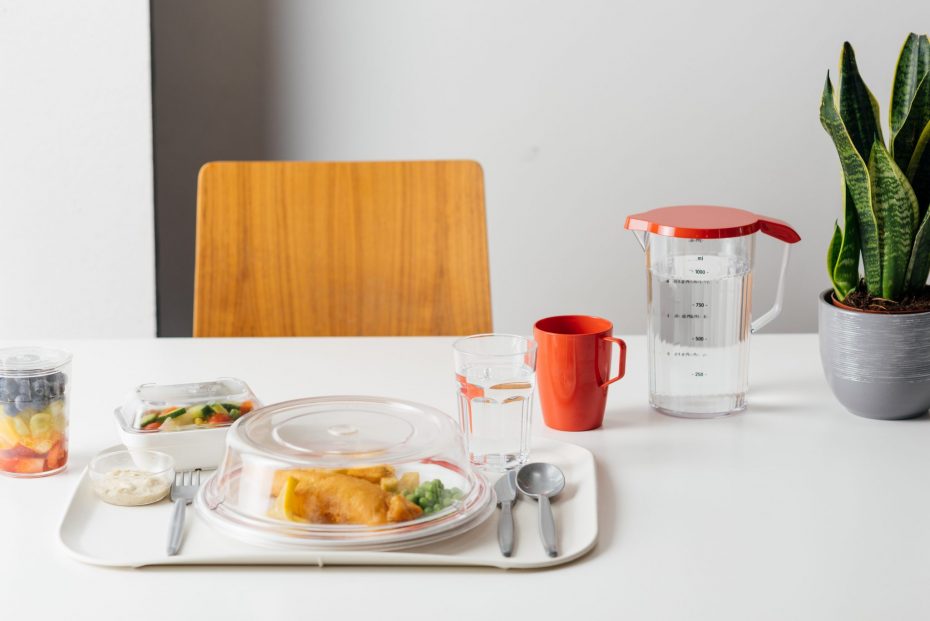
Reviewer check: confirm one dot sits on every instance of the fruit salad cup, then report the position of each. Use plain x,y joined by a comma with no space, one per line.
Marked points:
34,387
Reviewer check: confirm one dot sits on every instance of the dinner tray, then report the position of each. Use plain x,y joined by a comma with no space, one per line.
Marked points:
97,533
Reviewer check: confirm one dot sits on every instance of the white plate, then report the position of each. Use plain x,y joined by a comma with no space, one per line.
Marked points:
100,534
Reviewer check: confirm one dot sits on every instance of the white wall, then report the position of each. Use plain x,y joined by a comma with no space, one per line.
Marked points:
583,112
76,221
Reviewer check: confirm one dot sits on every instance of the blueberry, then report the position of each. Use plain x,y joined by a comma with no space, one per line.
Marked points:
40,387
23,389
61,379
7,389
21,402
39,404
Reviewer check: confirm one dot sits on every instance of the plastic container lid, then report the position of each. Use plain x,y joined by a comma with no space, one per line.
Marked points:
177,406
708,222
31,361
343,472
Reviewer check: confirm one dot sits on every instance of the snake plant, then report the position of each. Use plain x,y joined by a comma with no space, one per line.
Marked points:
886,188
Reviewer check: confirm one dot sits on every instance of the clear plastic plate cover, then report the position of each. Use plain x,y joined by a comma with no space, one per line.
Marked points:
186,407
347,472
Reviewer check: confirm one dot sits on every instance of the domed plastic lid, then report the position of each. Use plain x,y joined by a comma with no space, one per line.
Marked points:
708,222
347,472
31,361
343,432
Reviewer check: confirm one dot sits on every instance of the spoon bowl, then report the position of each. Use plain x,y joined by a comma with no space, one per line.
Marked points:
542,481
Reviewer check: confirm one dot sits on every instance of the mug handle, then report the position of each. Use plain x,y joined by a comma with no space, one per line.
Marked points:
622,371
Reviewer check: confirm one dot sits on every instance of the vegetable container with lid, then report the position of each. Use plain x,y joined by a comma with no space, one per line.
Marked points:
187,421
35,384
699,261
345,472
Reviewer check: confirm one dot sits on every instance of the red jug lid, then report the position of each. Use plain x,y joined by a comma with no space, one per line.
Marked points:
708,222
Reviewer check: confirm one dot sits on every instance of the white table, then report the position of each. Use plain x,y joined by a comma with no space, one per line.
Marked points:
791,510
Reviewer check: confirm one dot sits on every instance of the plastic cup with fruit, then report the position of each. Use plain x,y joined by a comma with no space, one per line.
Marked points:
33,411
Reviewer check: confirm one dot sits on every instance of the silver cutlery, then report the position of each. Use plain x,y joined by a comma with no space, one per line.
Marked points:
506,490
182,493
542,481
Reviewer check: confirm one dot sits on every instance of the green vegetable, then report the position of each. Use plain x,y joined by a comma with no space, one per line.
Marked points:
148,418
433,496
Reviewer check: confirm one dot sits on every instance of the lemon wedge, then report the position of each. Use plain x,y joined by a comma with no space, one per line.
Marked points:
286,503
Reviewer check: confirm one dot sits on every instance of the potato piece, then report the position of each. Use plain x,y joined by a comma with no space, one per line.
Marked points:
408,482
389,484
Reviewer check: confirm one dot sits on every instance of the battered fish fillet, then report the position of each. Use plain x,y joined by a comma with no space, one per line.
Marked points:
326,497
372,474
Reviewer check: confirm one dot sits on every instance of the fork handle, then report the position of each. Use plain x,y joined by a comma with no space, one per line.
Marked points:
177,527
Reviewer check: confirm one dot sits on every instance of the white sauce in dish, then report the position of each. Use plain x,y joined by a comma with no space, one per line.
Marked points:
131,487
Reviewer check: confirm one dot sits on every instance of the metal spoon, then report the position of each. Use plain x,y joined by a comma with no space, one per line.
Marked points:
543,481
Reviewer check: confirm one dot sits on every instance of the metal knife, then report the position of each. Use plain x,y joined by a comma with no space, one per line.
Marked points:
506,490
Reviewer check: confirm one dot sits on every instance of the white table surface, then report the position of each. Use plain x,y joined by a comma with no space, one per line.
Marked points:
793,509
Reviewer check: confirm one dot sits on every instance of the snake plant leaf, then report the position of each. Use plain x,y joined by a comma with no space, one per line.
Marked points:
918,268
845,274
918,171
910,98
833,255
895,209
856,175
858,107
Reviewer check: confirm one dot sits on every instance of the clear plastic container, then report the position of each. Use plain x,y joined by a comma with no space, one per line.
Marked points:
699,262
187,421
132,478
35,384
345,472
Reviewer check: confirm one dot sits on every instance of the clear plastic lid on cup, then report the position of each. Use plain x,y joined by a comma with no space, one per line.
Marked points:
34,388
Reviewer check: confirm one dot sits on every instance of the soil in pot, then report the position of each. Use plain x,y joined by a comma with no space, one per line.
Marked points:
860,300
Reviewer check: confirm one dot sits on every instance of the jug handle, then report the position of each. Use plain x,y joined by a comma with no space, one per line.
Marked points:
773,312
622,370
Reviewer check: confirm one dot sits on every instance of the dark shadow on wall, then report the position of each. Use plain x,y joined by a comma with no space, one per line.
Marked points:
211,71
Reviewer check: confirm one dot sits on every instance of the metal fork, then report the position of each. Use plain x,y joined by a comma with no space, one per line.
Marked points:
182,493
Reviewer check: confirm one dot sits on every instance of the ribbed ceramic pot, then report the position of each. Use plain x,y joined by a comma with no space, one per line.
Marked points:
877,365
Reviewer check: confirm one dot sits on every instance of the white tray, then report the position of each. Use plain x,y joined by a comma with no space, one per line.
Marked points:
97,533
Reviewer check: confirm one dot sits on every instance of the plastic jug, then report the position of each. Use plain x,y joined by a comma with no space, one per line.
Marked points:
699,263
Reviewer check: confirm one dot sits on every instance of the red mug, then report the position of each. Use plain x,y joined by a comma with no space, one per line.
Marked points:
573,370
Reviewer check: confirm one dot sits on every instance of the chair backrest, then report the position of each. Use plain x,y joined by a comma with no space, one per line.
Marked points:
341,249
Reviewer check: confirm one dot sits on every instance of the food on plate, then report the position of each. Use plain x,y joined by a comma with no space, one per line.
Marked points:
33,424
176,417
433,496
356,496
129,487
328,497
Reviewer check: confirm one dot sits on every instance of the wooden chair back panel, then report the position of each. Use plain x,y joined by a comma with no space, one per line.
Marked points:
367,249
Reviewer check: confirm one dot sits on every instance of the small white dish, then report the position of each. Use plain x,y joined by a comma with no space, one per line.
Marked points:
132,478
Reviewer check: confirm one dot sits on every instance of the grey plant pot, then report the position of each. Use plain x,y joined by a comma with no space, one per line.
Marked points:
878,366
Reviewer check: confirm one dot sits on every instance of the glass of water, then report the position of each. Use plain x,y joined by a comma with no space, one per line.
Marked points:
496,374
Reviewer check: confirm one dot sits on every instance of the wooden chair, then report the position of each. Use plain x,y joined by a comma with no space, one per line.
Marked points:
340,249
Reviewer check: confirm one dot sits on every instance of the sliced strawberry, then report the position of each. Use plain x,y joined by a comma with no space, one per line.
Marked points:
28,465
56,457
20,451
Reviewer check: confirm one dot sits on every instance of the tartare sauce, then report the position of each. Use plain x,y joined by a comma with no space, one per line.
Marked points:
131,487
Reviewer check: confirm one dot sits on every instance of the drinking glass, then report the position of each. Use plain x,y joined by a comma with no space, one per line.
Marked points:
496,374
